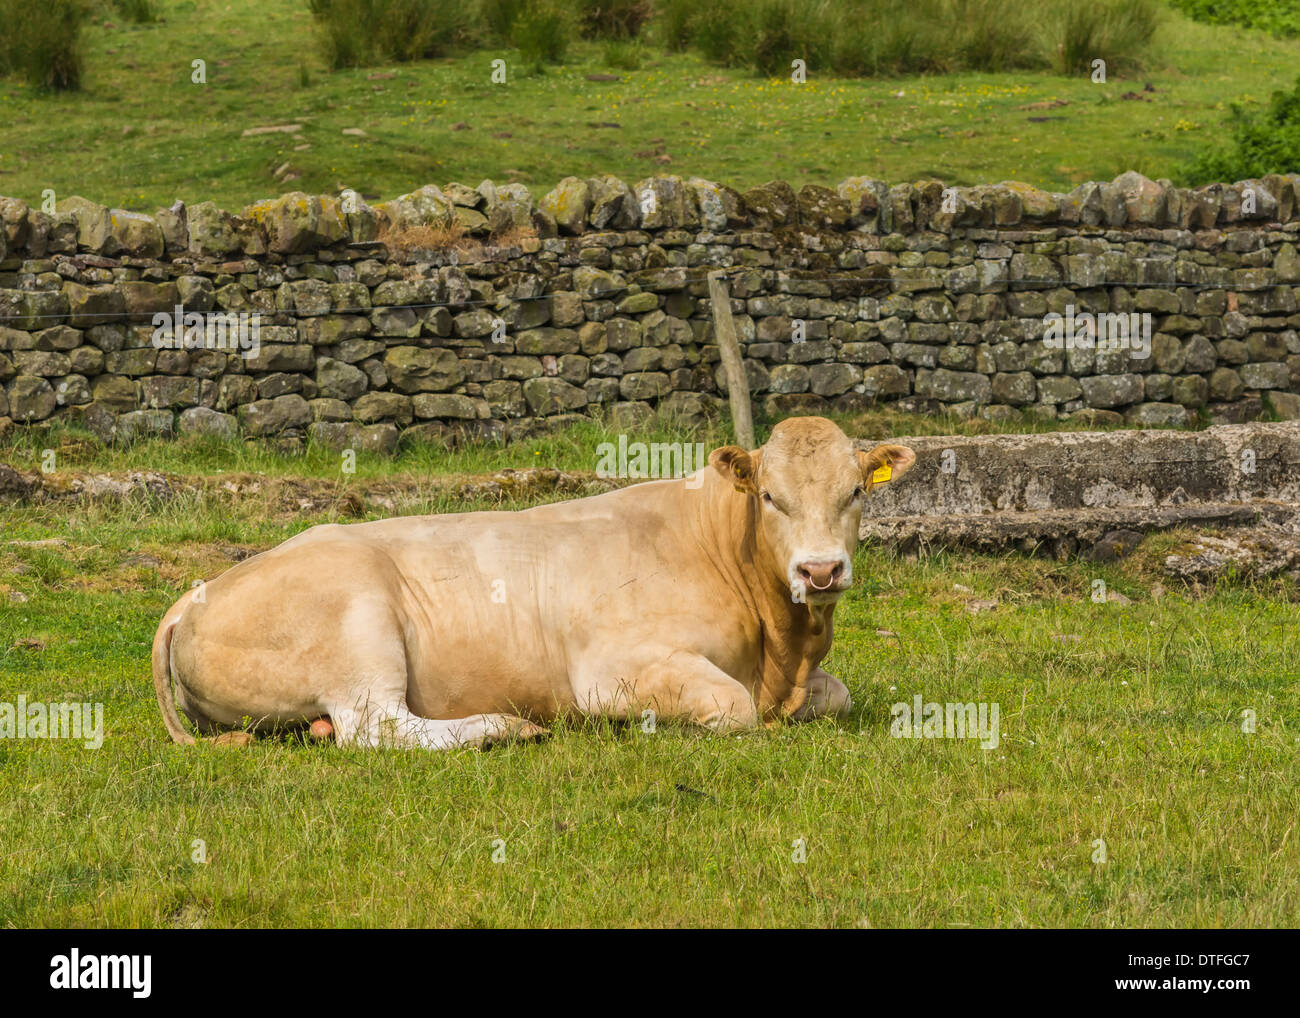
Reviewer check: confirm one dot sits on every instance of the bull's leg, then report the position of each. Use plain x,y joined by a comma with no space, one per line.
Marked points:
674,684
393,725
827,697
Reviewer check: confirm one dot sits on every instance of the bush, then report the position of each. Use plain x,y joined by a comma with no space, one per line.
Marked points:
542,33
499,17
1263,143
715,31
361,32
1279,17
42,41
1116,31
780,34
673,24
873,37
847,37
613,19
141,12
626,56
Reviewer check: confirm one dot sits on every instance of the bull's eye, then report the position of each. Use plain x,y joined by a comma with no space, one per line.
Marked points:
858,492
767,497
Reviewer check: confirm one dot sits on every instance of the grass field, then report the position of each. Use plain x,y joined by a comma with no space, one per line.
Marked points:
140,134
1120,722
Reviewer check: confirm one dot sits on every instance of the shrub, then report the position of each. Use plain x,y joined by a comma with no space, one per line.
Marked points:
674,23
715,31
542,33
141,12
871,37
1116,31
613,19
499,17
42,41
1279,17
360,32
624,55
1263,143
777,36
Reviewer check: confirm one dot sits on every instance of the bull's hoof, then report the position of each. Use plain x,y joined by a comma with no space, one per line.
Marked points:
515,729
236,739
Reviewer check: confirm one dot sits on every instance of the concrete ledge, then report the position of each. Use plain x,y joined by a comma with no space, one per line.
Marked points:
1062,492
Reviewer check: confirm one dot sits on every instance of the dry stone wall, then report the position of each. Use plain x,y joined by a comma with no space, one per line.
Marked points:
593,298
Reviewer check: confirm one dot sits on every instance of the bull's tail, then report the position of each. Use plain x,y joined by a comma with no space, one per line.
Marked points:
162,675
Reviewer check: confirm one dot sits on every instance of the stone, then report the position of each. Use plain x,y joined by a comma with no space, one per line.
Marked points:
692,409
1286,264
1266,376
568,204
721,208
886,380
549,396
833,379
89,305
140,424
612,204
630,417
272,416
789,378
198,420
642,385
450,405
31,399
295,223
414,369
374,407
169,392
666,203
1284,405
213,232
1189,391
1015,388
1108,391
337,380
427,206
1157,415
1115,544
1144,200
954,386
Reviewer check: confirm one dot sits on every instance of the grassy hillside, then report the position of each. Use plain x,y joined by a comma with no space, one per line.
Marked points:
140,134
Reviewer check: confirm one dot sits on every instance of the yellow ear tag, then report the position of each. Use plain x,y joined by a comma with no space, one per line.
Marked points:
882,475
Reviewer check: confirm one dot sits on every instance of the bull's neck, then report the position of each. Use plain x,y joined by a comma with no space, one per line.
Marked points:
795,636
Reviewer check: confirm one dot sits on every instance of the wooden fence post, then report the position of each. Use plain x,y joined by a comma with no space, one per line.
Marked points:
724,330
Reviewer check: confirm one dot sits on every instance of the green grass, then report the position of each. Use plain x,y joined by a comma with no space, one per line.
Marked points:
1118,722
145,135
571,448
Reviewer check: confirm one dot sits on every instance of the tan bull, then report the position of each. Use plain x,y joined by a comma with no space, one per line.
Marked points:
707,599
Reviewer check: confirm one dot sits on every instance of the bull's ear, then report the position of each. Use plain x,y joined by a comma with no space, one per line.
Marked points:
886,463
737,466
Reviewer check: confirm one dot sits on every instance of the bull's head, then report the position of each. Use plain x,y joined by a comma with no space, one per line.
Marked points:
809,485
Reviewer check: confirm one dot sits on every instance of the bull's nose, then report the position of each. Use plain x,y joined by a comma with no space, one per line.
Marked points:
821,575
